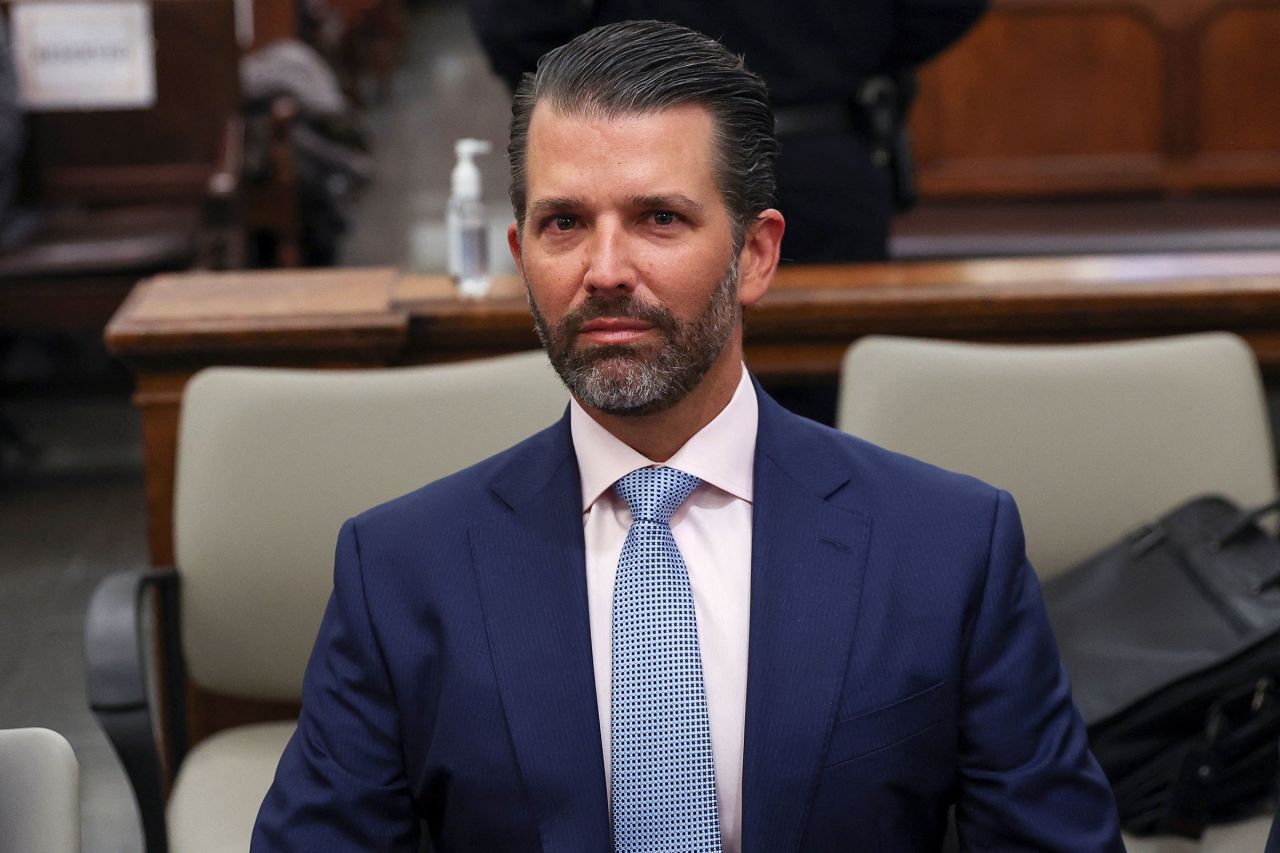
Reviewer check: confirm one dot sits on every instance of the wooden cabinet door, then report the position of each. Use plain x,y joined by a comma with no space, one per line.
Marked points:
1053,97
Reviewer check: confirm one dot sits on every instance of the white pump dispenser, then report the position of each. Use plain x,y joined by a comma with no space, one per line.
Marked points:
466,222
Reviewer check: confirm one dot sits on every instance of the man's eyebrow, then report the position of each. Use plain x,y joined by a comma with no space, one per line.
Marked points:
545,206
673,201
658,201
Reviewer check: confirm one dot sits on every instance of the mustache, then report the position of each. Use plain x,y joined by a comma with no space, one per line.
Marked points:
618,307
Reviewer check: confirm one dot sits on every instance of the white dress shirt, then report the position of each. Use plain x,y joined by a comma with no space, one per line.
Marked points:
713,531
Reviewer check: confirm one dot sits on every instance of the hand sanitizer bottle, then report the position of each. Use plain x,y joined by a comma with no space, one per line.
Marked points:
467,223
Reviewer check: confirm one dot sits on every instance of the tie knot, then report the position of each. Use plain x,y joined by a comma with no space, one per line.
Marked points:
655,494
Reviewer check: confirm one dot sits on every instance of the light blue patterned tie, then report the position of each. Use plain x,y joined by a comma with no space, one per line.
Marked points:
664,781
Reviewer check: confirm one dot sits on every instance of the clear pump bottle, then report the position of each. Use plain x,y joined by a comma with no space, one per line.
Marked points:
467,223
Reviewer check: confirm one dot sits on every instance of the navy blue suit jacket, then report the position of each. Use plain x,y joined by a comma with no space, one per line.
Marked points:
899,660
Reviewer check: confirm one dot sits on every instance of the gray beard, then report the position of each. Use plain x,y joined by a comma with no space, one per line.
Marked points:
619,379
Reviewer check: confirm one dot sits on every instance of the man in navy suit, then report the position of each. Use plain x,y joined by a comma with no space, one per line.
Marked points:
873,647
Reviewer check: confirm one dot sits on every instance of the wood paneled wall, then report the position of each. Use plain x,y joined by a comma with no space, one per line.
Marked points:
273,21
1053,97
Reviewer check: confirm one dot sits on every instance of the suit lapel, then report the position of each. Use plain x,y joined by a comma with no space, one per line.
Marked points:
530,567
808,556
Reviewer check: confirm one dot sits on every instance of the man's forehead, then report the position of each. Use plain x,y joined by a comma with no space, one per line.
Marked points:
591,160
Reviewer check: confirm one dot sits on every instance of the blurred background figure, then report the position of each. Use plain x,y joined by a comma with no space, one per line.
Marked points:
841,77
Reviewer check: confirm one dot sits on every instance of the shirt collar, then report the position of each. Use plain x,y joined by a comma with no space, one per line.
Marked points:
721,454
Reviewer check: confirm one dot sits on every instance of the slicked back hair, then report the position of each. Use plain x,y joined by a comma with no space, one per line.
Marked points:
639,67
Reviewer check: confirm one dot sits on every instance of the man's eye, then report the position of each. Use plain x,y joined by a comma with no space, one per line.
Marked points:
564,223
664,217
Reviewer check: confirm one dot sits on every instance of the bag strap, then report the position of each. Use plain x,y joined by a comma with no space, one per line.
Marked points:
1246,520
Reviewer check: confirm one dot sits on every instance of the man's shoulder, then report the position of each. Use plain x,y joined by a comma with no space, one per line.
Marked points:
471,490
919,511
878,476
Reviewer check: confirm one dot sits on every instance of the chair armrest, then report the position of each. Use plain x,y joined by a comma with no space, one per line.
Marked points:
116,656
222,240
275,202
224,183
285,113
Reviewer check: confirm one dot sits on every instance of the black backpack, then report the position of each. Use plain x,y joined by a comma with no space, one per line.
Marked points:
1172,641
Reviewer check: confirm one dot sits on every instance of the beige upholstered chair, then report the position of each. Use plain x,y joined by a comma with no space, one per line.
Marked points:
1091,440
39,793
1246,836
270,462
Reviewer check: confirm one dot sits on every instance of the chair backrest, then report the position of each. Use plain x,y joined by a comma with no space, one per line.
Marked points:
39,793
272,461
1091,440
167,151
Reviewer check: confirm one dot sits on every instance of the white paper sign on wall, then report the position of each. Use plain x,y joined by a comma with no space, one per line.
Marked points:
78,55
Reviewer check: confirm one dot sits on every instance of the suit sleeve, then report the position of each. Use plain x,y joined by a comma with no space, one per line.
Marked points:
1028,780
341,782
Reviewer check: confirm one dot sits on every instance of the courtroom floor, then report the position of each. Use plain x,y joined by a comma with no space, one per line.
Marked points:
69,515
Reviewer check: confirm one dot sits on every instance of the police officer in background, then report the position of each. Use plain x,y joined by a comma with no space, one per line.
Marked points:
840,78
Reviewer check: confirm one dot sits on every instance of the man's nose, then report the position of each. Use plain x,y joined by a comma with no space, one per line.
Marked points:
610,267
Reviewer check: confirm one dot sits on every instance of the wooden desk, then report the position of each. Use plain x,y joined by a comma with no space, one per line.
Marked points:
175,324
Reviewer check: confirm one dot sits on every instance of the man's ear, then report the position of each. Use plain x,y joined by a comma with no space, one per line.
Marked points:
513,243
758,260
